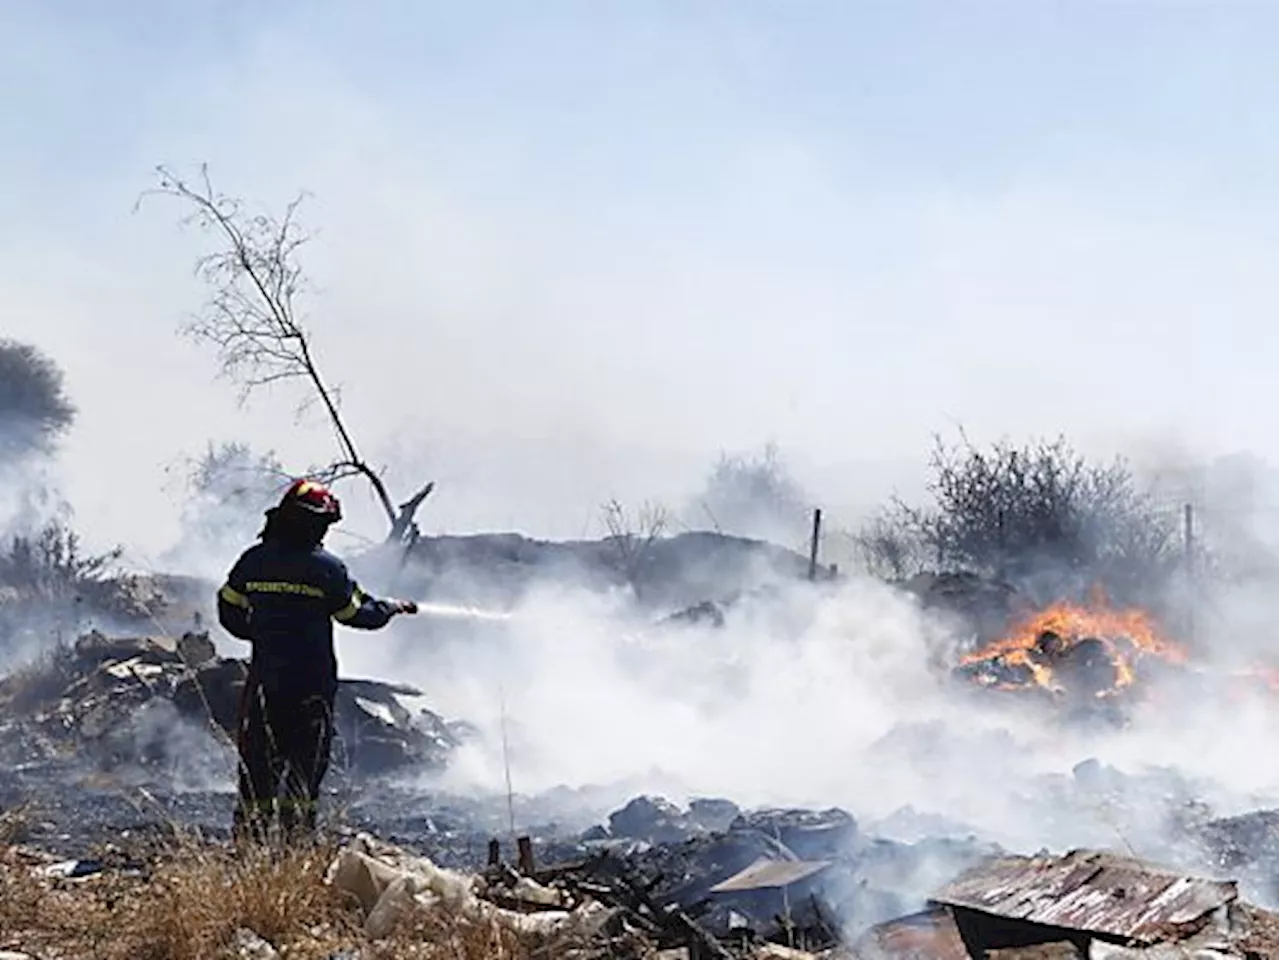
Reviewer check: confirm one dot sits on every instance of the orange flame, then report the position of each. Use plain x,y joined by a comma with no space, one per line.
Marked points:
1127,635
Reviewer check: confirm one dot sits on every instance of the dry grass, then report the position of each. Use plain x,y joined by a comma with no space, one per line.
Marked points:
198,897
197,901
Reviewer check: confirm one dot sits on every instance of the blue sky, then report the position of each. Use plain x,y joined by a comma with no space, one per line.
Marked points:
587,245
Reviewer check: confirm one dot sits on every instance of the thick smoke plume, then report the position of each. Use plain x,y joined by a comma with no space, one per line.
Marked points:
839,696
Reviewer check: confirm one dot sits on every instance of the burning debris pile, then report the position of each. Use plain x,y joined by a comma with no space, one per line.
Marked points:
147,703
1075,652
1089,658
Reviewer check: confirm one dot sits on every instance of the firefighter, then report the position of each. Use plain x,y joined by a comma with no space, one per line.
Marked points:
282,596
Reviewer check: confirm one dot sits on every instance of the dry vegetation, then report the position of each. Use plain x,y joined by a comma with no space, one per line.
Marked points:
197,900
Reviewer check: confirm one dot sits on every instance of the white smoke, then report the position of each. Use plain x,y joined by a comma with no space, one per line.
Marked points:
816,698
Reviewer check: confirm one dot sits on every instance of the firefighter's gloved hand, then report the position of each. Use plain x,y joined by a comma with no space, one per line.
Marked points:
405,606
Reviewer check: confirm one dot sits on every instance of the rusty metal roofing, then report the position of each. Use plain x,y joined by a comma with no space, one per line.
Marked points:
929,935
766,874
1093,892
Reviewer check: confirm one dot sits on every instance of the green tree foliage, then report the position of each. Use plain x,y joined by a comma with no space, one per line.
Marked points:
34,409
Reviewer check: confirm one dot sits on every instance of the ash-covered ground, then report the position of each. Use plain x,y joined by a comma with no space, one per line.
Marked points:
820,721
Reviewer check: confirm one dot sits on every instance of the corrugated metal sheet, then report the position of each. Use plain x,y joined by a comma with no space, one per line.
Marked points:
930,935
1094,892
767,874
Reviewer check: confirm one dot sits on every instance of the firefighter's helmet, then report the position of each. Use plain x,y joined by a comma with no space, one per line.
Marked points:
313,498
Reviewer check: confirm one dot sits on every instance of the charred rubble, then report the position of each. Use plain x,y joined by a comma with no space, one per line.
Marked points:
713,881
88,745
111,740
115,703
743,892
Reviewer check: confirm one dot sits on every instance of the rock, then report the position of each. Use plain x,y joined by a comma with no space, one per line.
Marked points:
12,955
655,819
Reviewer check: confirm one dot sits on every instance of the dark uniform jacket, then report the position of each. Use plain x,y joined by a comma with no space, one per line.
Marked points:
284,599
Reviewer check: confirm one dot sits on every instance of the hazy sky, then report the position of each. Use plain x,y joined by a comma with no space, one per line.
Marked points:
571,250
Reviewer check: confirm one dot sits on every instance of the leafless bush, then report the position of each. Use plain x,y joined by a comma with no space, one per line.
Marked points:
632,536
1022,511
887,549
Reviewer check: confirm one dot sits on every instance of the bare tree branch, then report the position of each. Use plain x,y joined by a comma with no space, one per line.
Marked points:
252,316
633,536
1028,512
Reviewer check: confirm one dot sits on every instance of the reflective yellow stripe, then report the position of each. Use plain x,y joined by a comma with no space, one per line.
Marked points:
233,596
282,586
358,597
349,611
